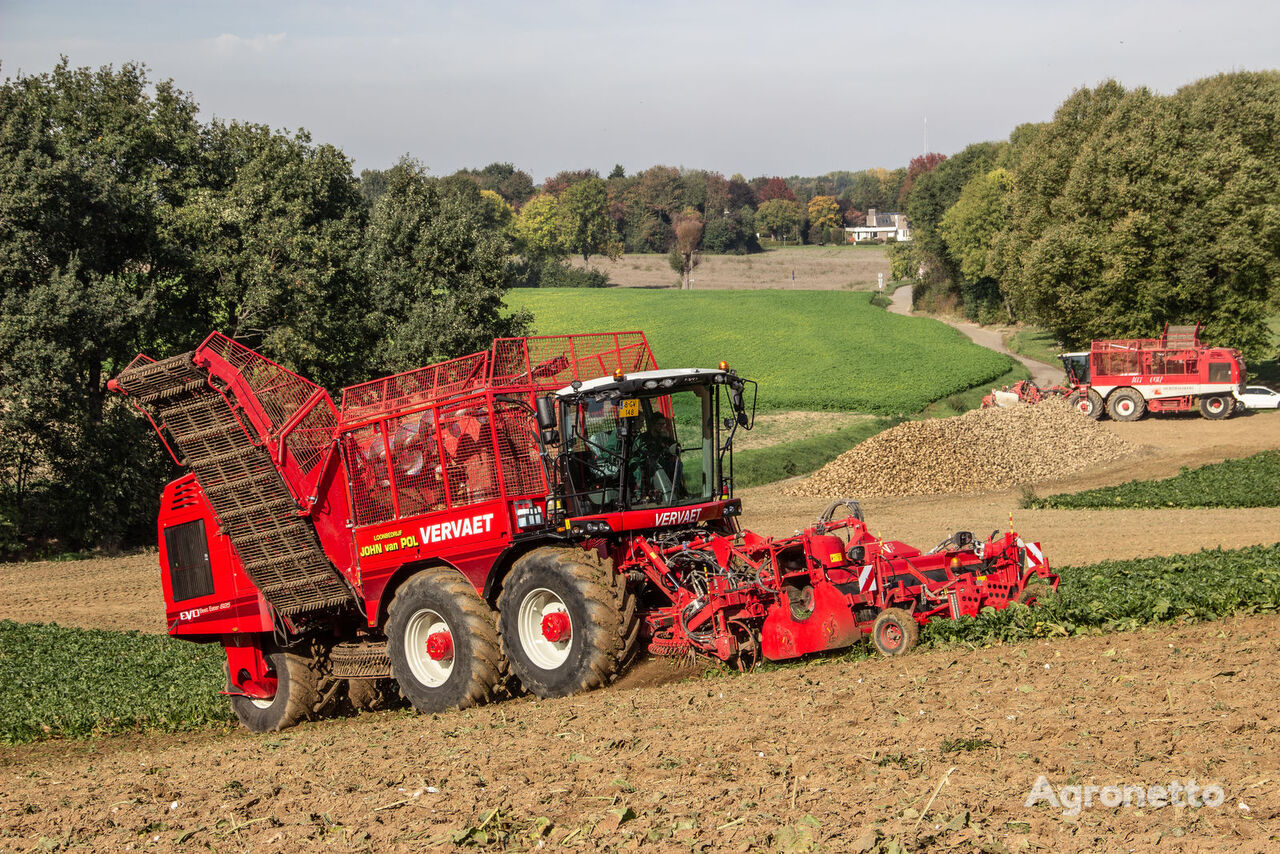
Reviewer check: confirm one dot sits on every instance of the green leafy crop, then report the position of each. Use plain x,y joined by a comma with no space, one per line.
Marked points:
1247,482
57,681
1128,594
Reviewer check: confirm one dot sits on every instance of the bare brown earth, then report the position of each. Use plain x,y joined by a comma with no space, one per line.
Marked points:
797,267
937,751
832,754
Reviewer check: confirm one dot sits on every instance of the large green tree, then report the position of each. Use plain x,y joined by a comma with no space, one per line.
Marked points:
537,229
438,265
584,222
778,218
1131,210
969,227
92,167
275,231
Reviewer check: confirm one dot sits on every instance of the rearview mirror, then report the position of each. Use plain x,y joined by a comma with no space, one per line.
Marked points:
545,414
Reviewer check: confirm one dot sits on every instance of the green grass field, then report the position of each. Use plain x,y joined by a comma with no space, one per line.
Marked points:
808,350
1035,344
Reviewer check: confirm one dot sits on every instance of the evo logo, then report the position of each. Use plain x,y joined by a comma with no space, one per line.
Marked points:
194,613
481,523
676,517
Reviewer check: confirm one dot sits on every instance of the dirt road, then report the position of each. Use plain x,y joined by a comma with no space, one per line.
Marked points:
1042,373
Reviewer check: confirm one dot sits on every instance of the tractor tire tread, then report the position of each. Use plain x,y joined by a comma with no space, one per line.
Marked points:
479,626
1118,399
302,693
910,630
610,607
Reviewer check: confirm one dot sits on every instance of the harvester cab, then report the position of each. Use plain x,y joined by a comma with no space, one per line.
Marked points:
620,447
1077,367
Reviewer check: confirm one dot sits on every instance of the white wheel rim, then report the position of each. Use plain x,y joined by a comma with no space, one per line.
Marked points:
259,703
543,653
424,668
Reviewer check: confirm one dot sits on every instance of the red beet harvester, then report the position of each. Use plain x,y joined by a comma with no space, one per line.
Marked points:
530,514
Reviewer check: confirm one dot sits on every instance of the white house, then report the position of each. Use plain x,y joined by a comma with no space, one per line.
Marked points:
881,227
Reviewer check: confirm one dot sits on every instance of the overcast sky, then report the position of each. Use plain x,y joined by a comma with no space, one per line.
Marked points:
758,88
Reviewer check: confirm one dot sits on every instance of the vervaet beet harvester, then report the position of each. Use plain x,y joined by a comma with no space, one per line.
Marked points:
536,513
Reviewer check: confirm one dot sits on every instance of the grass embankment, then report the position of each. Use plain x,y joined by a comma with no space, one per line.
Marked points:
1247,482
70,683
1035,344
809,350
765,465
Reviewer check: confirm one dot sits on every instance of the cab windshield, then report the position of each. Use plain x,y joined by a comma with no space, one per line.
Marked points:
643,452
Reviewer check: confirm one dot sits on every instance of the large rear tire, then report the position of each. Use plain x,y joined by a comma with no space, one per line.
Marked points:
895,632
297,695
568,621
1126,404
1216,406
442,642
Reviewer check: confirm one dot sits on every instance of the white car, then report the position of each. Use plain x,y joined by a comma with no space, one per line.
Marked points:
1258,397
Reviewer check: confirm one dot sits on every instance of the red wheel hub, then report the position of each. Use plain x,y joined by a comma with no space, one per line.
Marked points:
440,646
556,626
891,636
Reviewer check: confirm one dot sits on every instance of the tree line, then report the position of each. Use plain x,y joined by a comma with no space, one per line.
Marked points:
1126,211
129,225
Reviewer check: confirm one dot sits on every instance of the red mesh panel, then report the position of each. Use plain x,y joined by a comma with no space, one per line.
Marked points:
466,435
554,361
312,436
522,471
281,392
415,388
366,460
415,462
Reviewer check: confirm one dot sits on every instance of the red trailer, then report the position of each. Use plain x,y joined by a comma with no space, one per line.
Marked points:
1172,373
521,517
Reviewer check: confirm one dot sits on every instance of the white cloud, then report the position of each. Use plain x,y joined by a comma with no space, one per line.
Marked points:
228,43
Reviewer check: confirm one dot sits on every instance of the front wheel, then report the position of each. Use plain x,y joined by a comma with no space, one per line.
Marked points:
567,621
442,642
1088,403
1216,406
295,700
895,632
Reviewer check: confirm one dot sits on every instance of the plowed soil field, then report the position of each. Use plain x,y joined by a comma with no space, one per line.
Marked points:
937,750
